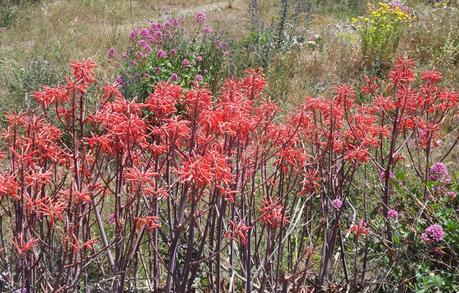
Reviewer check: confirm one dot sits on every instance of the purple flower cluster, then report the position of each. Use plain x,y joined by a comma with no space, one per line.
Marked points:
155,33
439,173
200,17
382,175
433,233
337,203
393,214
145,47
174,77
398,3
111,53
161,54
199,78
186,63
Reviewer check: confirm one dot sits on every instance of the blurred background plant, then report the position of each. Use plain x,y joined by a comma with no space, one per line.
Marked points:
380,32
8,11
20,81
164,51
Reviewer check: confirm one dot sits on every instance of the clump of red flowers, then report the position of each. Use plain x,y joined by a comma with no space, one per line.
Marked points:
185,174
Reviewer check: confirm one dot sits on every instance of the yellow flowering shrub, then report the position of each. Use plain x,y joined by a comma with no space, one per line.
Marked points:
380,31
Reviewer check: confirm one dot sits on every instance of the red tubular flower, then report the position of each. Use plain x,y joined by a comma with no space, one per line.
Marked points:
23,247
370,85
104,142
289,156
402,73
344,95
89,244
173,131
359,229
198,100
253,84
134,175
49,95
83,71
238,231
272,214
431,76
53,210
77,196
38,178
9,187
150,222
163,100
196,170
110,92
310,183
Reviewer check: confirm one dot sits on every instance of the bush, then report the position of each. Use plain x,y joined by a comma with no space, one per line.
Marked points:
21,81
7,15
165,52
380,33
186,189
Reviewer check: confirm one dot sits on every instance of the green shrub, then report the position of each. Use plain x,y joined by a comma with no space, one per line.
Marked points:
380,33
7,15
165,52
20,82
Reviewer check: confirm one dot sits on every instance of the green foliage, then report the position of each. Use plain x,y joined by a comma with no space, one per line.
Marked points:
21,81
380,34
8,15
187,58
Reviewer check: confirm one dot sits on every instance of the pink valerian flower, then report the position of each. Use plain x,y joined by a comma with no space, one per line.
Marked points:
186,63
199,58
393,214
199,78
207,30
200,17
111,53
161,54
174,77
451,195
382,175
144,32
337,203
238,231
174,22
133,34
438,172
140,55
433,233
156,37
144,46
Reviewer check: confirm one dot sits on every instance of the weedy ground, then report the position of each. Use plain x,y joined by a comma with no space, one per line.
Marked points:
50,33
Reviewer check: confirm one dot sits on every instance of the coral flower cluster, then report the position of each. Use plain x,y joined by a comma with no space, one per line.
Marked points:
186,183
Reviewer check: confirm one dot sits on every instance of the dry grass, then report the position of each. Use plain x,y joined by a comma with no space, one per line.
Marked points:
66,30
60,31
